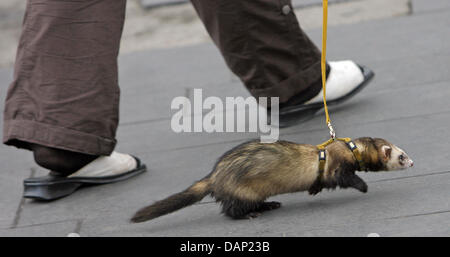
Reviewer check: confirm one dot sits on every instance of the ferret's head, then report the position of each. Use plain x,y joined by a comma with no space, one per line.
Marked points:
384,154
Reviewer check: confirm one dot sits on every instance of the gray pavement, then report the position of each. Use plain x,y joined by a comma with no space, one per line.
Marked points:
407,103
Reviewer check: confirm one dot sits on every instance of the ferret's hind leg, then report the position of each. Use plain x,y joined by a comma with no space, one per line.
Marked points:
262,207
267,206
241,209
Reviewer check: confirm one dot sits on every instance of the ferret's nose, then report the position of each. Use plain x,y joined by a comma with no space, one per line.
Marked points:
412,163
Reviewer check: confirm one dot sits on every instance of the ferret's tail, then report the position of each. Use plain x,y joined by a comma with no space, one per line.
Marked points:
191,195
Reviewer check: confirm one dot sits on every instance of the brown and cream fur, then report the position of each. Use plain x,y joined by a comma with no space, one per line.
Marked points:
244,177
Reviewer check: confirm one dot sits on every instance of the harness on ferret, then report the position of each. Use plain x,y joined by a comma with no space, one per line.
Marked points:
350,144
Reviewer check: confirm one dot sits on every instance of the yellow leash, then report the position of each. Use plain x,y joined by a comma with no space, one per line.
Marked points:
323,59
324,74
348,141
324,68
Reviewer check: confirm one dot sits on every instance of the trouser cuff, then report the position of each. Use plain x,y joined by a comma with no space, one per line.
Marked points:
20,133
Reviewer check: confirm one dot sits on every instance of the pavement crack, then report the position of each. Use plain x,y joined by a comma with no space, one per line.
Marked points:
48,223
139,122
78,226
17,215
202,145
414,176
21,205
302,5
420,214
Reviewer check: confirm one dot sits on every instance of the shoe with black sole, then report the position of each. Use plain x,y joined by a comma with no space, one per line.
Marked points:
55,186
295,114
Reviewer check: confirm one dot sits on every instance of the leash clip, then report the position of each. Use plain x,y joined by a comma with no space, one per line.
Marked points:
332,132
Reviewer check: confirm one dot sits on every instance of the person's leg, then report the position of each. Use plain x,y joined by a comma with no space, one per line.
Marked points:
63,102
263,44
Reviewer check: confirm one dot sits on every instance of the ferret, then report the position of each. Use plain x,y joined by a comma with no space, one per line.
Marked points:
244,177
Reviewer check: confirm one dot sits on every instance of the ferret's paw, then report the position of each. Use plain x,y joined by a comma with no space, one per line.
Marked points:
314,190
362,187
358,184
267,206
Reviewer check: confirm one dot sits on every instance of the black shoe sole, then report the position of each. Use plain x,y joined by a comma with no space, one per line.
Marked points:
293,115
48,188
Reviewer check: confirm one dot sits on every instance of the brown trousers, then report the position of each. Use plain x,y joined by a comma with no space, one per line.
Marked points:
65,92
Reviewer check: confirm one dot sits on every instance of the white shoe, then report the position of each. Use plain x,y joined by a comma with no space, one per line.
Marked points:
344,77
103,166
103,170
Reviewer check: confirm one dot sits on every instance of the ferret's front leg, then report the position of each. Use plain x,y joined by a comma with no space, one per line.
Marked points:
350,179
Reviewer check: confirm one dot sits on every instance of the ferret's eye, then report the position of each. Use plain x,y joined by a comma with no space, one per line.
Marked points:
401,157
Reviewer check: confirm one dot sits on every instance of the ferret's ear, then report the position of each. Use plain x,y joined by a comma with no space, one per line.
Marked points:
386,152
